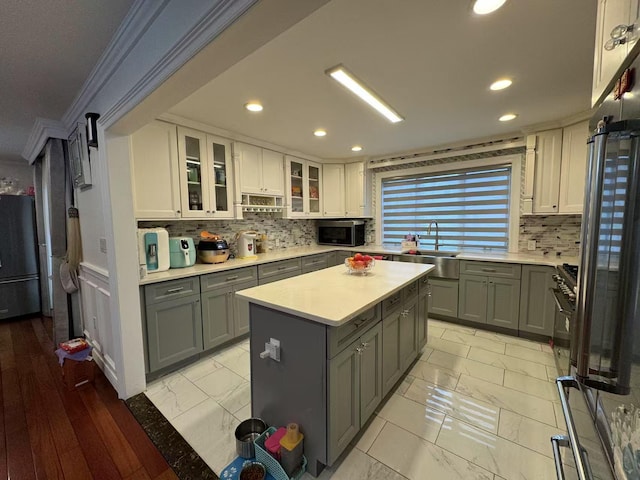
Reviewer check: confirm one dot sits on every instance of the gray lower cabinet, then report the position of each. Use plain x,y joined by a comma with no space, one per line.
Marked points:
313,263
332,259
390,350
217,317
537,305
408,344
355,389
423,313
274,271
241,309
444,297
472,298
174,330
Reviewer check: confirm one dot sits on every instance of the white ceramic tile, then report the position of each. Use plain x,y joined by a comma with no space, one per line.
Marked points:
434,374
455,404
235,359
404,385
474,341
451,326
502,397
245,345
533,386
174,394
433,331
493,453
466,366
454,348
557,410
531,355
508,363
425,353
552,373
370,434
357,465
414,417
498,337
209,429
418,459
527,432
220,384
200,369
243,413
238,398
546,348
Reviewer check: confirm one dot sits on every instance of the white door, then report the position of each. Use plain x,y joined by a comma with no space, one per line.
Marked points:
272,173
354,189
250,168
546,182
333,190
574,168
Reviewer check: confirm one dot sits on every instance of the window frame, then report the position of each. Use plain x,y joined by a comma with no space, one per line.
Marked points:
514,161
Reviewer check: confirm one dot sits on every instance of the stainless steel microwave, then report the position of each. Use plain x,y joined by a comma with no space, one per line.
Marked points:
345,233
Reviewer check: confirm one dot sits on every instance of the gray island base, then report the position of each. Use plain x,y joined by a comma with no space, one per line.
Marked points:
344,342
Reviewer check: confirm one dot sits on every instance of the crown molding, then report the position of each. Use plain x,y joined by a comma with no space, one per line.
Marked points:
561,123
133,27
42,130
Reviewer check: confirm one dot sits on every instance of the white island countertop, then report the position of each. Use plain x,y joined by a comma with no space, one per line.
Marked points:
333,296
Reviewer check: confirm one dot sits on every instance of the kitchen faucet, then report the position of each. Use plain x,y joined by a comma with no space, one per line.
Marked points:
437,232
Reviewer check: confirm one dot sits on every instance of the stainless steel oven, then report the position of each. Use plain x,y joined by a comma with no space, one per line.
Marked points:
565,298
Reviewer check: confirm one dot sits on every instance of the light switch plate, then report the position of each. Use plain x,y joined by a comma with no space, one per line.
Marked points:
531,245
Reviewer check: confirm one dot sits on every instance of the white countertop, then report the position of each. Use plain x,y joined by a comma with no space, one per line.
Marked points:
333,296
288,253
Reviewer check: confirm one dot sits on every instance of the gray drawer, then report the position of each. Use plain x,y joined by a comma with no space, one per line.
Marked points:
278,277
410,292
229,277
424,285
314,262
490,269
278,268
159,292
391,303
338,338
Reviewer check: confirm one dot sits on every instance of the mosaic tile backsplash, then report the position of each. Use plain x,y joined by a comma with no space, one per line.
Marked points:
288,232
553,234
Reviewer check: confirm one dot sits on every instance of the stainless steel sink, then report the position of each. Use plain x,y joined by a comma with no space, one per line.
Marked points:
446,263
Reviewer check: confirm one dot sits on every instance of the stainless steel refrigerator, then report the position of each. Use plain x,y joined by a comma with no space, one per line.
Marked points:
19,285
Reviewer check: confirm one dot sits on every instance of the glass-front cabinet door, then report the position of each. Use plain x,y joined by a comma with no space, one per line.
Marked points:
298,188
192,156
314,181
219,176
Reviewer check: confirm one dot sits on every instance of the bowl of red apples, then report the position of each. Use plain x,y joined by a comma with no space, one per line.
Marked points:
359,264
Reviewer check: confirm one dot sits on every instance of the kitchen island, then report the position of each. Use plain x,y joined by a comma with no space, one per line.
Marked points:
344,342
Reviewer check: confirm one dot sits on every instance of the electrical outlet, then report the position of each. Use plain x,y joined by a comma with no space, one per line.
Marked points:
103,245
277,242
370,238
531,245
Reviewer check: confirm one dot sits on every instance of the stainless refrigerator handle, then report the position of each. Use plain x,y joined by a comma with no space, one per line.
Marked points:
558,441
582,467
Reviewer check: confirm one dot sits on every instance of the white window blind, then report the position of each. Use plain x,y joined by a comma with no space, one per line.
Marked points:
470,206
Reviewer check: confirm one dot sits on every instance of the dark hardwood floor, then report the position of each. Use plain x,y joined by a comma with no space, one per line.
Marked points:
48,432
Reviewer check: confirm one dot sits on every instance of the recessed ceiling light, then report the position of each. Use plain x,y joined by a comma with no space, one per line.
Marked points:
253,106
507,116
501,84
356,148
320,133
482,7
348,80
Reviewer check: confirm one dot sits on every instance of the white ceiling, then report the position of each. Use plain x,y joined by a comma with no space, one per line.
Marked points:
432,61
48,50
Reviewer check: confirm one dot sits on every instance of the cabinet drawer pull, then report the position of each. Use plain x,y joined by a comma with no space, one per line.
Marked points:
282,267
175,290
488,269
232,277
394,301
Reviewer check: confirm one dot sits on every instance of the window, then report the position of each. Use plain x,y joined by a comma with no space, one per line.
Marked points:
471,207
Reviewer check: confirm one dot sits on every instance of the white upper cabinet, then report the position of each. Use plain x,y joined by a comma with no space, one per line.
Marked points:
556,170
333,190
574,168
616,33
304,188
204,169
156,184
356,190
261,170
547,171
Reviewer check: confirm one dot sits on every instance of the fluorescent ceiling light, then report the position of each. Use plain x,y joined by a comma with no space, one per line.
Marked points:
347,79
320,133
356,148
253,107
507,116
482,7
501,84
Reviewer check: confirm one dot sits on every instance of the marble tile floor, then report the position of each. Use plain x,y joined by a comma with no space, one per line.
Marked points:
475,405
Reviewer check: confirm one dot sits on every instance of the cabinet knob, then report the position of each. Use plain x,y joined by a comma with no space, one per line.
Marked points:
177,211
620,32
555,206
359,350
613,43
